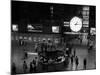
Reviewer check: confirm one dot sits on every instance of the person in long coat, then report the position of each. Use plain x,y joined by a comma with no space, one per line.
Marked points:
31,67
84,63
76,62
25,67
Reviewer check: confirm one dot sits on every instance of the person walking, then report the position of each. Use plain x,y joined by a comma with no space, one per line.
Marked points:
72,57
84,62
25,67
36,64
42,46
76,62
36,47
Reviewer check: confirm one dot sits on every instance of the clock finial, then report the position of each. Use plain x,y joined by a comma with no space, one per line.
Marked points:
51,8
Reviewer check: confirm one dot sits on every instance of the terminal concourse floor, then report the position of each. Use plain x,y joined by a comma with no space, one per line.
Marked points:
81,52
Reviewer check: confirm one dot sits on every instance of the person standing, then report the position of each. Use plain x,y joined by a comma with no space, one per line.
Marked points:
67,51
34,63
74,52
76,62
25,67
45,46
85,62
42,46
13,68
36,47
25,55
20,42
80,41
31,67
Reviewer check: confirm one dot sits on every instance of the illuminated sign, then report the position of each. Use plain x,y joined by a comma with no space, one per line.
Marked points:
86,8
34,27
30,27
66,24
55,29
93,31
15,27
85,13
86,22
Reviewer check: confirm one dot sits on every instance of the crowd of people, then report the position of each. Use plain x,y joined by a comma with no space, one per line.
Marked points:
31,68
45,46
48,46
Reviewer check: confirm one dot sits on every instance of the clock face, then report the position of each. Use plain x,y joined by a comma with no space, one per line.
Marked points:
76,24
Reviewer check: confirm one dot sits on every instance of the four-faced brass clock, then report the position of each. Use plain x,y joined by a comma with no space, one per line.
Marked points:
76,24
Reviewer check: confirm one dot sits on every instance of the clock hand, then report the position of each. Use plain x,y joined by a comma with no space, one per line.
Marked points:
76,24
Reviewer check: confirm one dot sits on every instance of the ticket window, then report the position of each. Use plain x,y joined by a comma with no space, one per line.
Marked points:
20,37
43,39
25,38
39,39
56,42
30,38
35,39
